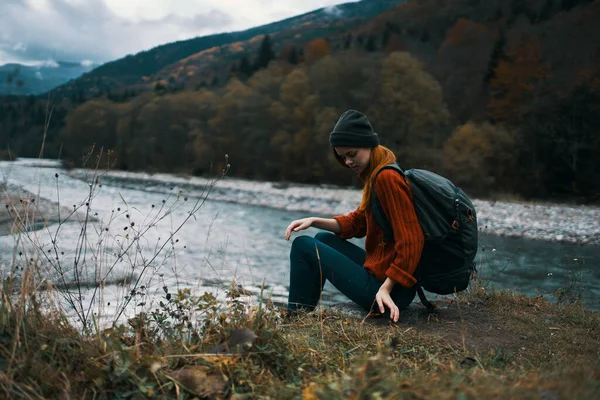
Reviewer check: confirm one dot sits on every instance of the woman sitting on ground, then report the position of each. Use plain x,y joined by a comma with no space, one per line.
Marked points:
382,273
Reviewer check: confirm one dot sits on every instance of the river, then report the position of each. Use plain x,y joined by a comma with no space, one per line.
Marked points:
227,240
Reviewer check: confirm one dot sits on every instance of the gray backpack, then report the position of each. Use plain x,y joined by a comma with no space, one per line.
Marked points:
449,222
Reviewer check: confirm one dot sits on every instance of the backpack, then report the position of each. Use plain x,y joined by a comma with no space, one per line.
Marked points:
449,222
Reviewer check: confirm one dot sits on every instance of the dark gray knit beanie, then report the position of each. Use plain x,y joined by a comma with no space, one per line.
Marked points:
353,129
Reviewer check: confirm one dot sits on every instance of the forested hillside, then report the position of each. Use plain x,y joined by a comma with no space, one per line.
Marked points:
501,96
135,69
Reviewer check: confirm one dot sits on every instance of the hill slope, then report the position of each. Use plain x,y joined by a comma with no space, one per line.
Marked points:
130,70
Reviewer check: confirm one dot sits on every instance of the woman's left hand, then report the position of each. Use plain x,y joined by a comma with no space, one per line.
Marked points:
383,298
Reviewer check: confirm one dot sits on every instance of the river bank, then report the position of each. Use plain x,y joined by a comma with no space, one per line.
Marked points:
549,222
21,210
242,225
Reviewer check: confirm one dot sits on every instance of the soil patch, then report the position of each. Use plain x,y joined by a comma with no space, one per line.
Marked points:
471,324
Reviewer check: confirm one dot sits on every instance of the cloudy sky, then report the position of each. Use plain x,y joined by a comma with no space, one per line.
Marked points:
103,30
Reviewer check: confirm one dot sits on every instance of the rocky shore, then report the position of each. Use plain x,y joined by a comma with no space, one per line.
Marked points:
551,222
21,211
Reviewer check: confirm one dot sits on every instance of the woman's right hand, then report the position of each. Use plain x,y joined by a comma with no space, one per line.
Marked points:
298,225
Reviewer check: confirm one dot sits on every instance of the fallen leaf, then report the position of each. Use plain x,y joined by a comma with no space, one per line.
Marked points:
199,381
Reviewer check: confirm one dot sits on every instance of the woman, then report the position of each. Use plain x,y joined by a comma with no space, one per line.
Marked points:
380,274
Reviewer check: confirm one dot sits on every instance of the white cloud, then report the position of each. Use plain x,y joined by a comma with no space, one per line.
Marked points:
87,63
334,10
49,64
9,57
102,30
39,75
19,46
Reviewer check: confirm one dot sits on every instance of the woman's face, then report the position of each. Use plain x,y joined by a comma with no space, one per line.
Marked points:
357,158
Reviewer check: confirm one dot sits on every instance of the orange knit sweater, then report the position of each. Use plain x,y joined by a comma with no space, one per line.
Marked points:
397,260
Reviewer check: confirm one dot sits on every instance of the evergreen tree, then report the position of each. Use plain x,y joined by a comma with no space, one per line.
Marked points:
567,5
371,45
245,67
495,57
265,54
385,37
293,58
348,41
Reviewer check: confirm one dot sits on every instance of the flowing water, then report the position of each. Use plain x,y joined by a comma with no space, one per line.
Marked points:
224,241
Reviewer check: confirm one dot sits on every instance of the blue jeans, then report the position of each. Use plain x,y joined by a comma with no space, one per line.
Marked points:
341,263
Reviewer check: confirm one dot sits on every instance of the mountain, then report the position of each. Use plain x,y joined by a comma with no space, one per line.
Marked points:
473,90
23,79
131,69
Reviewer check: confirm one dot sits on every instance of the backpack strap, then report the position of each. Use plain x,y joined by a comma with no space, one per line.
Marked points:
377,210
381,220
430,307
386,227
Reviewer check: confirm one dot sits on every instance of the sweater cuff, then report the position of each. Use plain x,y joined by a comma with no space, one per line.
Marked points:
400,276
345,226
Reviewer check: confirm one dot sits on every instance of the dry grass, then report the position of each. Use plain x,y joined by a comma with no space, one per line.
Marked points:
527,348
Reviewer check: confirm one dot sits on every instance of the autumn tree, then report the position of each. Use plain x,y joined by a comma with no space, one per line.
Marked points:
299,146
299,105
161,130
267,82
482,158
201,141
232,113
278,164
97,119
518,81
315,50
257,127
339,79
408,109
461,66
394,43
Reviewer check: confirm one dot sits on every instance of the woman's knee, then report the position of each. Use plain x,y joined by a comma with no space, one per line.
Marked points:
325,237
303,256
301,243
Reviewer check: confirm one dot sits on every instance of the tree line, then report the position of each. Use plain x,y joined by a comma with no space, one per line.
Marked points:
481,94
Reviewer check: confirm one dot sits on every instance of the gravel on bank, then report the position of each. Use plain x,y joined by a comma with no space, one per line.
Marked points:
21,211
551,222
